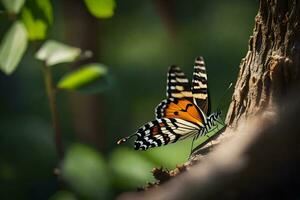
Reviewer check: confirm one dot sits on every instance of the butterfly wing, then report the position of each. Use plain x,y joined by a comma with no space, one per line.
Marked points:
180,102
199,86
179,116
180,108
178,85
162,132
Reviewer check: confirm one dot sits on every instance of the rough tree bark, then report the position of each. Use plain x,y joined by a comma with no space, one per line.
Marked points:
272,63
258,155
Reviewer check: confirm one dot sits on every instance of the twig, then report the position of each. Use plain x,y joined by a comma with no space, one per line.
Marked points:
50,88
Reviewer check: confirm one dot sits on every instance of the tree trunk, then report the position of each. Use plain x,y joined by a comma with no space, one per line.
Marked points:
272,63
82,30
260,157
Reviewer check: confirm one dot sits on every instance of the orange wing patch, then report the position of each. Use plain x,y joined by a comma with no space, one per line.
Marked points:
185,110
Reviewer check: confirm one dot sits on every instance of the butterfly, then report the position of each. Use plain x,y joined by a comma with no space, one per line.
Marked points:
185,112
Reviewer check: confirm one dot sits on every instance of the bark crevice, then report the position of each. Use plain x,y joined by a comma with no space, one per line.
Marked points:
271,65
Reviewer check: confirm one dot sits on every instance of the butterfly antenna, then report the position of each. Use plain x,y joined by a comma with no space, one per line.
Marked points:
223,96
124,139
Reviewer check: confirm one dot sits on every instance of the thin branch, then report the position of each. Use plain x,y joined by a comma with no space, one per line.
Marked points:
51,92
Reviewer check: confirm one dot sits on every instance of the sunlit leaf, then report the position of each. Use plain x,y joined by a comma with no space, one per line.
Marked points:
101,8
13,47
85,170
53,52
36,28
88,75
37,16
130,165
13,6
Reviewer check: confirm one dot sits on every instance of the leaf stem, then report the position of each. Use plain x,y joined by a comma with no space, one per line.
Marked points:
51,92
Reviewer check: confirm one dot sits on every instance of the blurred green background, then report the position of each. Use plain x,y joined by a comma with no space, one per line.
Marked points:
137,44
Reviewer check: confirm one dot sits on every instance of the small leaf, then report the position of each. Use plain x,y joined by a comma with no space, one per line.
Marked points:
86,171
53,52
13,6
13,47
101,8
36,28
37,16
127,164
87,75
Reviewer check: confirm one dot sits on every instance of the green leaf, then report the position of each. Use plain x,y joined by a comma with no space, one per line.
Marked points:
101,8
86,171
13,6
91,74
37,29
53,52
37,16
13,47
127,164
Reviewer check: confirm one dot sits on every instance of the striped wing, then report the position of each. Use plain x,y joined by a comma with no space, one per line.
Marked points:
199,86
162,132
181,115
180,108
178,85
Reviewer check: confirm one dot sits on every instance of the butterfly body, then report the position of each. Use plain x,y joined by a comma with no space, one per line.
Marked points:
185,112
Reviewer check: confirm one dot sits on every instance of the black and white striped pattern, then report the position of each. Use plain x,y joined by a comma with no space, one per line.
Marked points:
178,85
212,119
166,131
170,131
160,109
199,86
210,122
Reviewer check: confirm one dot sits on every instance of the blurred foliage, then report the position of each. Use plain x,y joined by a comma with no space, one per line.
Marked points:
27,157
127,164
82,79
137,48
101,8
63,195
53,53
86,171
13,47
13,6
37,15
